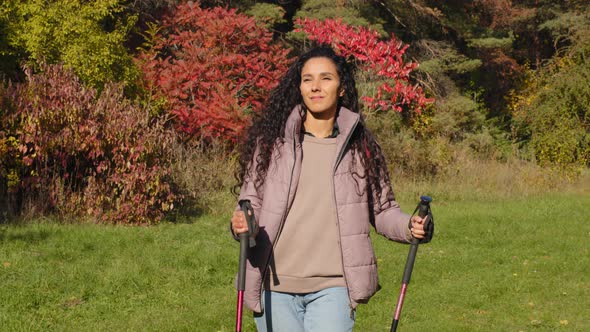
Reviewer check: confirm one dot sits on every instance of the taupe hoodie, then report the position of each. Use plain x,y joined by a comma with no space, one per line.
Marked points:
271,204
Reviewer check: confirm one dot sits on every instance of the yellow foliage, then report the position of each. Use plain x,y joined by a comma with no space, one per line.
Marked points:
13,178
550,111
421,122
87,36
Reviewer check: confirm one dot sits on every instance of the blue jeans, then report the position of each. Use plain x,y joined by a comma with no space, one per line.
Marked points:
327,310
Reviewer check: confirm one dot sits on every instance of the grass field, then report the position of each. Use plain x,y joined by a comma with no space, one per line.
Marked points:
499,265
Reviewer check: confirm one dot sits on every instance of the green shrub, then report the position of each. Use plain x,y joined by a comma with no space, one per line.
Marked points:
407,153
355,13
267,14
552,110
455,117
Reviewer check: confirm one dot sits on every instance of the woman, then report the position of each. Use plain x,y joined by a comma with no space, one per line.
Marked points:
316,179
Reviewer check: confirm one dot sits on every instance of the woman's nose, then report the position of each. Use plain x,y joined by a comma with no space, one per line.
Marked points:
315,86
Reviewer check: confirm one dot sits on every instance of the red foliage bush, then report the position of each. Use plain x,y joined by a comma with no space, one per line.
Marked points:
382,58
213,67
79,153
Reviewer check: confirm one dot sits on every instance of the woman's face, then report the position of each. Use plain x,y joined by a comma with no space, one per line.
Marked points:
320,87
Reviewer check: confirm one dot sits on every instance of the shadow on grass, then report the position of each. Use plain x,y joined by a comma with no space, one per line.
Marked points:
29,236
186,214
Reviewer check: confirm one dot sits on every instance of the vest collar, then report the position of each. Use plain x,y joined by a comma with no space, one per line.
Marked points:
345,118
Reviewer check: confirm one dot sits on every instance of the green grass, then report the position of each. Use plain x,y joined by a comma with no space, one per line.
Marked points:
501,265
507,265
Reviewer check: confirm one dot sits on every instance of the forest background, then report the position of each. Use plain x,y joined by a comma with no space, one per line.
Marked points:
131,111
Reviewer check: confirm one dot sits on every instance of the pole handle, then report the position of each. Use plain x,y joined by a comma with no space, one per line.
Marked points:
423,210
246,241
246,207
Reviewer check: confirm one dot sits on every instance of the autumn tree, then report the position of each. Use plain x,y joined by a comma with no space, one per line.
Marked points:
213,67
381,59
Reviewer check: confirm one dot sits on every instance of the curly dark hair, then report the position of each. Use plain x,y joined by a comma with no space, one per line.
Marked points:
268,127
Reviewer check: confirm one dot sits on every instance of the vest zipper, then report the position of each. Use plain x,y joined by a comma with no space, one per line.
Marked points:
338,158
282,222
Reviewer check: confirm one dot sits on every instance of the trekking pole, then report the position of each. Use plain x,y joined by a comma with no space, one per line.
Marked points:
246,242
423,209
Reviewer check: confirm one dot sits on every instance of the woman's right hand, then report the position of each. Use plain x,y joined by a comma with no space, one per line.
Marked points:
239,224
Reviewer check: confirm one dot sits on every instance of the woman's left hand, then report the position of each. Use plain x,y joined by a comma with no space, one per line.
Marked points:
418,227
